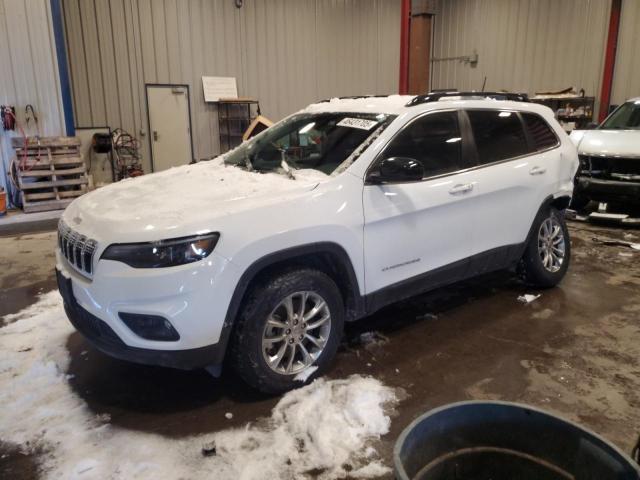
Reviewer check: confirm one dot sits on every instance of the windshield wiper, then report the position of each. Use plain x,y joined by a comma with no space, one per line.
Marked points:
285,166
247,162
283,161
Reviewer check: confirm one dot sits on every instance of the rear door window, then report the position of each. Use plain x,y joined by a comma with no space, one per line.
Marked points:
498,135
541,134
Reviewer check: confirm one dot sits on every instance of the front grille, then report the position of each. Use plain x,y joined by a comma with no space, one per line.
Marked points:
76,248
611,168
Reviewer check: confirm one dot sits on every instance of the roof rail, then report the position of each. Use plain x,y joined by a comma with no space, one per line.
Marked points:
353,97
435,96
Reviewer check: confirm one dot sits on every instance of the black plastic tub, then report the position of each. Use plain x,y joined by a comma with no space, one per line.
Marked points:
505,441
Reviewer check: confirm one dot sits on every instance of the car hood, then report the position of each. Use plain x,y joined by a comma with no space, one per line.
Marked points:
181,201
608,143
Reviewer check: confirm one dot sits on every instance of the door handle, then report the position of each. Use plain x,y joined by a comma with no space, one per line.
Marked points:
155,136
461,188
537,171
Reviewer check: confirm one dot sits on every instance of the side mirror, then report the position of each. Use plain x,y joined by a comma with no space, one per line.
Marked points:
398,169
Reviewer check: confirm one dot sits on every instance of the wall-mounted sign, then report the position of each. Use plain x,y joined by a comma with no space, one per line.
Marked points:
216,88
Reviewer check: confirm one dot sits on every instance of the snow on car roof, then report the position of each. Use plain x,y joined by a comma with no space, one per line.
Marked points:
392,104
396,104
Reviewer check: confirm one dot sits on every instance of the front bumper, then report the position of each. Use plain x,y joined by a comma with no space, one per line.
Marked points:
602,190
102,336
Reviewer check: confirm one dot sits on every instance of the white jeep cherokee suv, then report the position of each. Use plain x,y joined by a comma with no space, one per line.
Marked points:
258,257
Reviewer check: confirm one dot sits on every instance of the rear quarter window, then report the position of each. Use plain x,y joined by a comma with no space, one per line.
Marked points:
541,133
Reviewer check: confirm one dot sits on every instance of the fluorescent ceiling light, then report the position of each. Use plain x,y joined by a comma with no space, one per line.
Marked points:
307,127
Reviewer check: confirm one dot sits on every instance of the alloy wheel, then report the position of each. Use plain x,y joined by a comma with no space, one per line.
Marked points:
296,332
551,244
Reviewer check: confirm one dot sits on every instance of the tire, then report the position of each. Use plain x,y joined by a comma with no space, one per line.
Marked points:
541,269
256,339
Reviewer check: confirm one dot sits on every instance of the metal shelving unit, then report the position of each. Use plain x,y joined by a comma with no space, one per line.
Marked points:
234,117
572,112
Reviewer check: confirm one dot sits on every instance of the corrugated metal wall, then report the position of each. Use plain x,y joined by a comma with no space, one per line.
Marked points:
523,45
286,53
28,70
626,77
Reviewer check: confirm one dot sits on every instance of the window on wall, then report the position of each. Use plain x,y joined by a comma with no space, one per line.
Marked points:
498,134
540,131
434,140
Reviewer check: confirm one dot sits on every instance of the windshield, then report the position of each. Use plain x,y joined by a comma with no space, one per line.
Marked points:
319,141
625,117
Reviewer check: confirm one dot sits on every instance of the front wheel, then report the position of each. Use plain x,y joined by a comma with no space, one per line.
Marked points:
288,331
547,255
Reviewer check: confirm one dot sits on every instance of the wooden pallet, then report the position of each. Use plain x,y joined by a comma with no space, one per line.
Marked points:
52,174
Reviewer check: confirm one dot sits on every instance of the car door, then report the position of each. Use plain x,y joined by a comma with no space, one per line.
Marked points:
420,230
514,166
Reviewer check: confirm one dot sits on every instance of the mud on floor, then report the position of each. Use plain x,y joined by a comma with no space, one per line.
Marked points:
573,351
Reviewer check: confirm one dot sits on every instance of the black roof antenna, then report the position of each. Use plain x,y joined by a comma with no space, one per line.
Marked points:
484,83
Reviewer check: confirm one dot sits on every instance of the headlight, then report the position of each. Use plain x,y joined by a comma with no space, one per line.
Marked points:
165,253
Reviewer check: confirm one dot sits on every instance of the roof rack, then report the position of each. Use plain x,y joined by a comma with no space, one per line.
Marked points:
353,97
435,96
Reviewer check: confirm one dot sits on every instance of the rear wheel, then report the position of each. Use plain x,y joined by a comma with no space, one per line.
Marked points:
290,327
546,258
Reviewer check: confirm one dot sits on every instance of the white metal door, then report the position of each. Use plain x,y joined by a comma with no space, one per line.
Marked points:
414,228
507,200
509,191
169,126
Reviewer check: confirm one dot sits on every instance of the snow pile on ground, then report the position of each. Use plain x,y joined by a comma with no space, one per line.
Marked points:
529,297
317,429
325,428
372,339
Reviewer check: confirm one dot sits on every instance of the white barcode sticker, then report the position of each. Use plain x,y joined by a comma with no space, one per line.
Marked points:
360,123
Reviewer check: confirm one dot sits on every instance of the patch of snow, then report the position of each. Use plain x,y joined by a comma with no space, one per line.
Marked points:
528,297
391,104
228,415
373,339
211,183
371,470
304,375
543,314
62,271
322,427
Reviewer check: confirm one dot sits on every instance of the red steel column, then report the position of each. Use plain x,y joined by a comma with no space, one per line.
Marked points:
405,17
610,58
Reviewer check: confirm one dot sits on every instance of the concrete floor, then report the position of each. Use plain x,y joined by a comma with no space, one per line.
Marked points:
574,351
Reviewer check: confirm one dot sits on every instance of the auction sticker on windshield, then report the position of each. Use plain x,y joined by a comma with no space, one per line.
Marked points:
360,123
